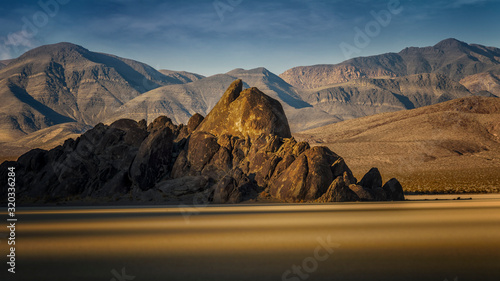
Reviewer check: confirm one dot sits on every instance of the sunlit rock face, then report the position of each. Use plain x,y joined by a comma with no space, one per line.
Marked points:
241,151
246,113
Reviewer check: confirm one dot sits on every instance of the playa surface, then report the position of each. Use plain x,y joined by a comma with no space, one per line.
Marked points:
419,239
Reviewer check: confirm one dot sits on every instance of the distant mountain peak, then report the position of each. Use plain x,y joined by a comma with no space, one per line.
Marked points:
450,43
63,82
66,45
258,70
57,51
63,46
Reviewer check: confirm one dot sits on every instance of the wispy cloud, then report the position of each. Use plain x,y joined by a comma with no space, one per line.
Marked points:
16,43
460,3
251,19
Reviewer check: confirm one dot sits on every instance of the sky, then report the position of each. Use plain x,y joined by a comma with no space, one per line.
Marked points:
209,37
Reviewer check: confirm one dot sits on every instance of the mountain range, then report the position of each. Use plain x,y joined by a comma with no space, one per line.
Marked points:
68,84
450,57
63,83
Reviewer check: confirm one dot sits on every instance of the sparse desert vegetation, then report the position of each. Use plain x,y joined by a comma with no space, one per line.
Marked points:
452,147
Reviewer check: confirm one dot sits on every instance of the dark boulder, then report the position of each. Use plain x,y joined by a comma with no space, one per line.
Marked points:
162,122
378,194
184,186
307,177
267,170
362,193
181,165
372,179
135,132
154,159
340,168
201,149
290,185
283,164
394,190
338,191
194,122
320,176
233,188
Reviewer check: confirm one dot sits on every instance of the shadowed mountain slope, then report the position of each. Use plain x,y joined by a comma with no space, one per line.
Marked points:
368,96
60,83
179,101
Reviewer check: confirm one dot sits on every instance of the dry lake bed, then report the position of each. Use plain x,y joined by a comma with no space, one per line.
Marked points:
413,240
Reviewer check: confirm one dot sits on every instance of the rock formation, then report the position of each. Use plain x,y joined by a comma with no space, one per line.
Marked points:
248,113
242,150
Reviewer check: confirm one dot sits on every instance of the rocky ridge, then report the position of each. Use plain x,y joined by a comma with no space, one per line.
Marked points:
183,76
241,151
485,82
449,57
369,96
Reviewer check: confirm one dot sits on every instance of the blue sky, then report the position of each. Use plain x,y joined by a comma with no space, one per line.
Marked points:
210,37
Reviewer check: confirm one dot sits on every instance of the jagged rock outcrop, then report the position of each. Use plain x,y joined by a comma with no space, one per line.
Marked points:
246,113
369,187
241,151
307,178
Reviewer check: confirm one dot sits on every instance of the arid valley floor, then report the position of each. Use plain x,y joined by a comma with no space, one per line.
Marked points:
413,240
